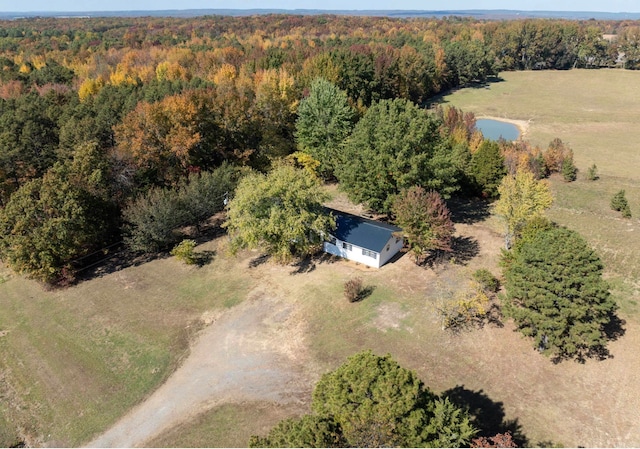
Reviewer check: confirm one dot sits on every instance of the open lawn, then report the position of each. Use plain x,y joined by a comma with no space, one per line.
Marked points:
74,361
493,368
597,113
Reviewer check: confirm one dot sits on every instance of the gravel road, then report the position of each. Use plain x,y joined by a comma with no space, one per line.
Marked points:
252,352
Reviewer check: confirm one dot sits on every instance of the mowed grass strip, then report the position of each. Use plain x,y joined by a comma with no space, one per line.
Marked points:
228,425
596,112
73,361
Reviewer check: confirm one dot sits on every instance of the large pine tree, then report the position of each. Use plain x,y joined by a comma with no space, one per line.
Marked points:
556,294
371,401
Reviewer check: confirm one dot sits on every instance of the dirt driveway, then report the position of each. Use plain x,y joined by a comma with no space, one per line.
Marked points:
253,352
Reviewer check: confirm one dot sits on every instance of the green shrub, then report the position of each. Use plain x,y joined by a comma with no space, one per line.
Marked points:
486,280
592,173
184,251
619,203
569,170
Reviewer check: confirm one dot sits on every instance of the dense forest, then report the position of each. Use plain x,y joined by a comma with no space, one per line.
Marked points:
104,119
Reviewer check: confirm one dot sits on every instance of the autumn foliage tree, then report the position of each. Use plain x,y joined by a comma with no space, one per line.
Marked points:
160,137
425,221
522,197
499,440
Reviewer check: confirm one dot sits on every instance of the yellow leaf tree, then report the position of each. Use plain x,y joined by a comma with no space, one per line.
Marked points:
522,197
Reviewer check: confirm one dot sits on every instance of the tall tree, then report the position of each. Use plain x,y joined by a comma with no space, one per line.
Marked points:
325,119
52,220
425,221
487,167
371,401
152,220
556,294
280,212
160,137
395,146
522,197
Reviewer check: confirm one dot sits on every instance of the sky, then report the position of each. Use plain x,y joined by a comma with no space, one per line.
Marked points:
433,5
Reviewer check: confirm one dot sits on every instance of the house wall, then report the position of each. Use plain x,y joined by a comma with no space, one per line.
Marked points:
391,249
354,254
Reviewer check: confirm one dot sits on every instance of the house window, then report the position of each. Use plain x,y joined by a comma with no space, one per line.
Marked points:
397,240
387,248
347,246
372,254
332,240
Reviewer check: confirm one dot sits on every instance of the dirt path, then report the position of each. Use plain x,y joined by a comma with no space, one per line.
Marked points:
252,352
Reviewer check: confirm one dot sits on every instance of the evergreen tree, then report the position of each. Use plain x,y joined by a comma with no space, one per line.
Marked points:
371,401
619,203
487,168
556,294
50,221
569,170
396,145
324,122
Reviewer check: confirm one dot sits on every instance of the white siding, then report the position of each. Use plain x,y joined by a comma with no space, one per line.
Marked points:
391,249
355,252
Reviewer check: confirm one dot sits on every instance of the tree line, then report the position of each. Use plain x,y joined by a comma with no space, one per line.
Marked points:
126,113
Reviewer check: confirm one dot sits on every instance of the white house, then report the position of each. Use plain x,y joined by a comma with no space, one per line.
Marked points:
366,241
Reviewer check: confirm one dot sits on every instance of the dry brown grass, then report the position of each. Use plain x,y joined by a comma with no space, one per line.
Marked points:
75,360
594,404
596,112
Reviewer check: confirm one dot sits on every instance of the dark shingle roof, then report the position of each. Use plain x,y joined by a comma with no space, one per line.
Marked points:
369,234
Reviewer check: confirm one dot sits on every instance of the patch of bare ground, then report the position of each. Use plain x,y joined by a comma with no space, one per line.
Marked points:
253,352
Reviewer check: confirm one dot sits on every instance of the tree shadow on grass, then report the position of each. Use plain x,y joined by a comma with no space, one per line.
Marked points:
365,293
260,260
309,264
440,100
614,329
306,265
119,258
468,210
464,249
203,258
487,415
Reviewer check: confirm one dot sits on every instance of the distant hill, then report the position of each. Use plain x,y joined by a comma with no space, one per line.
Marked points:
476,13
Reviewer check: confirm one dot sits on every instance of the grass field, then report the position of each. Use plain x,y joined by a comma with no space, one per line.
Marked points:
594,111
73,361
597,113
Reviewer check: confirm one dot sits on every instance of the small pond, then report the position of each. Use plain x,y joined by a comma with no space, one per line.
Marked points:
494,129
